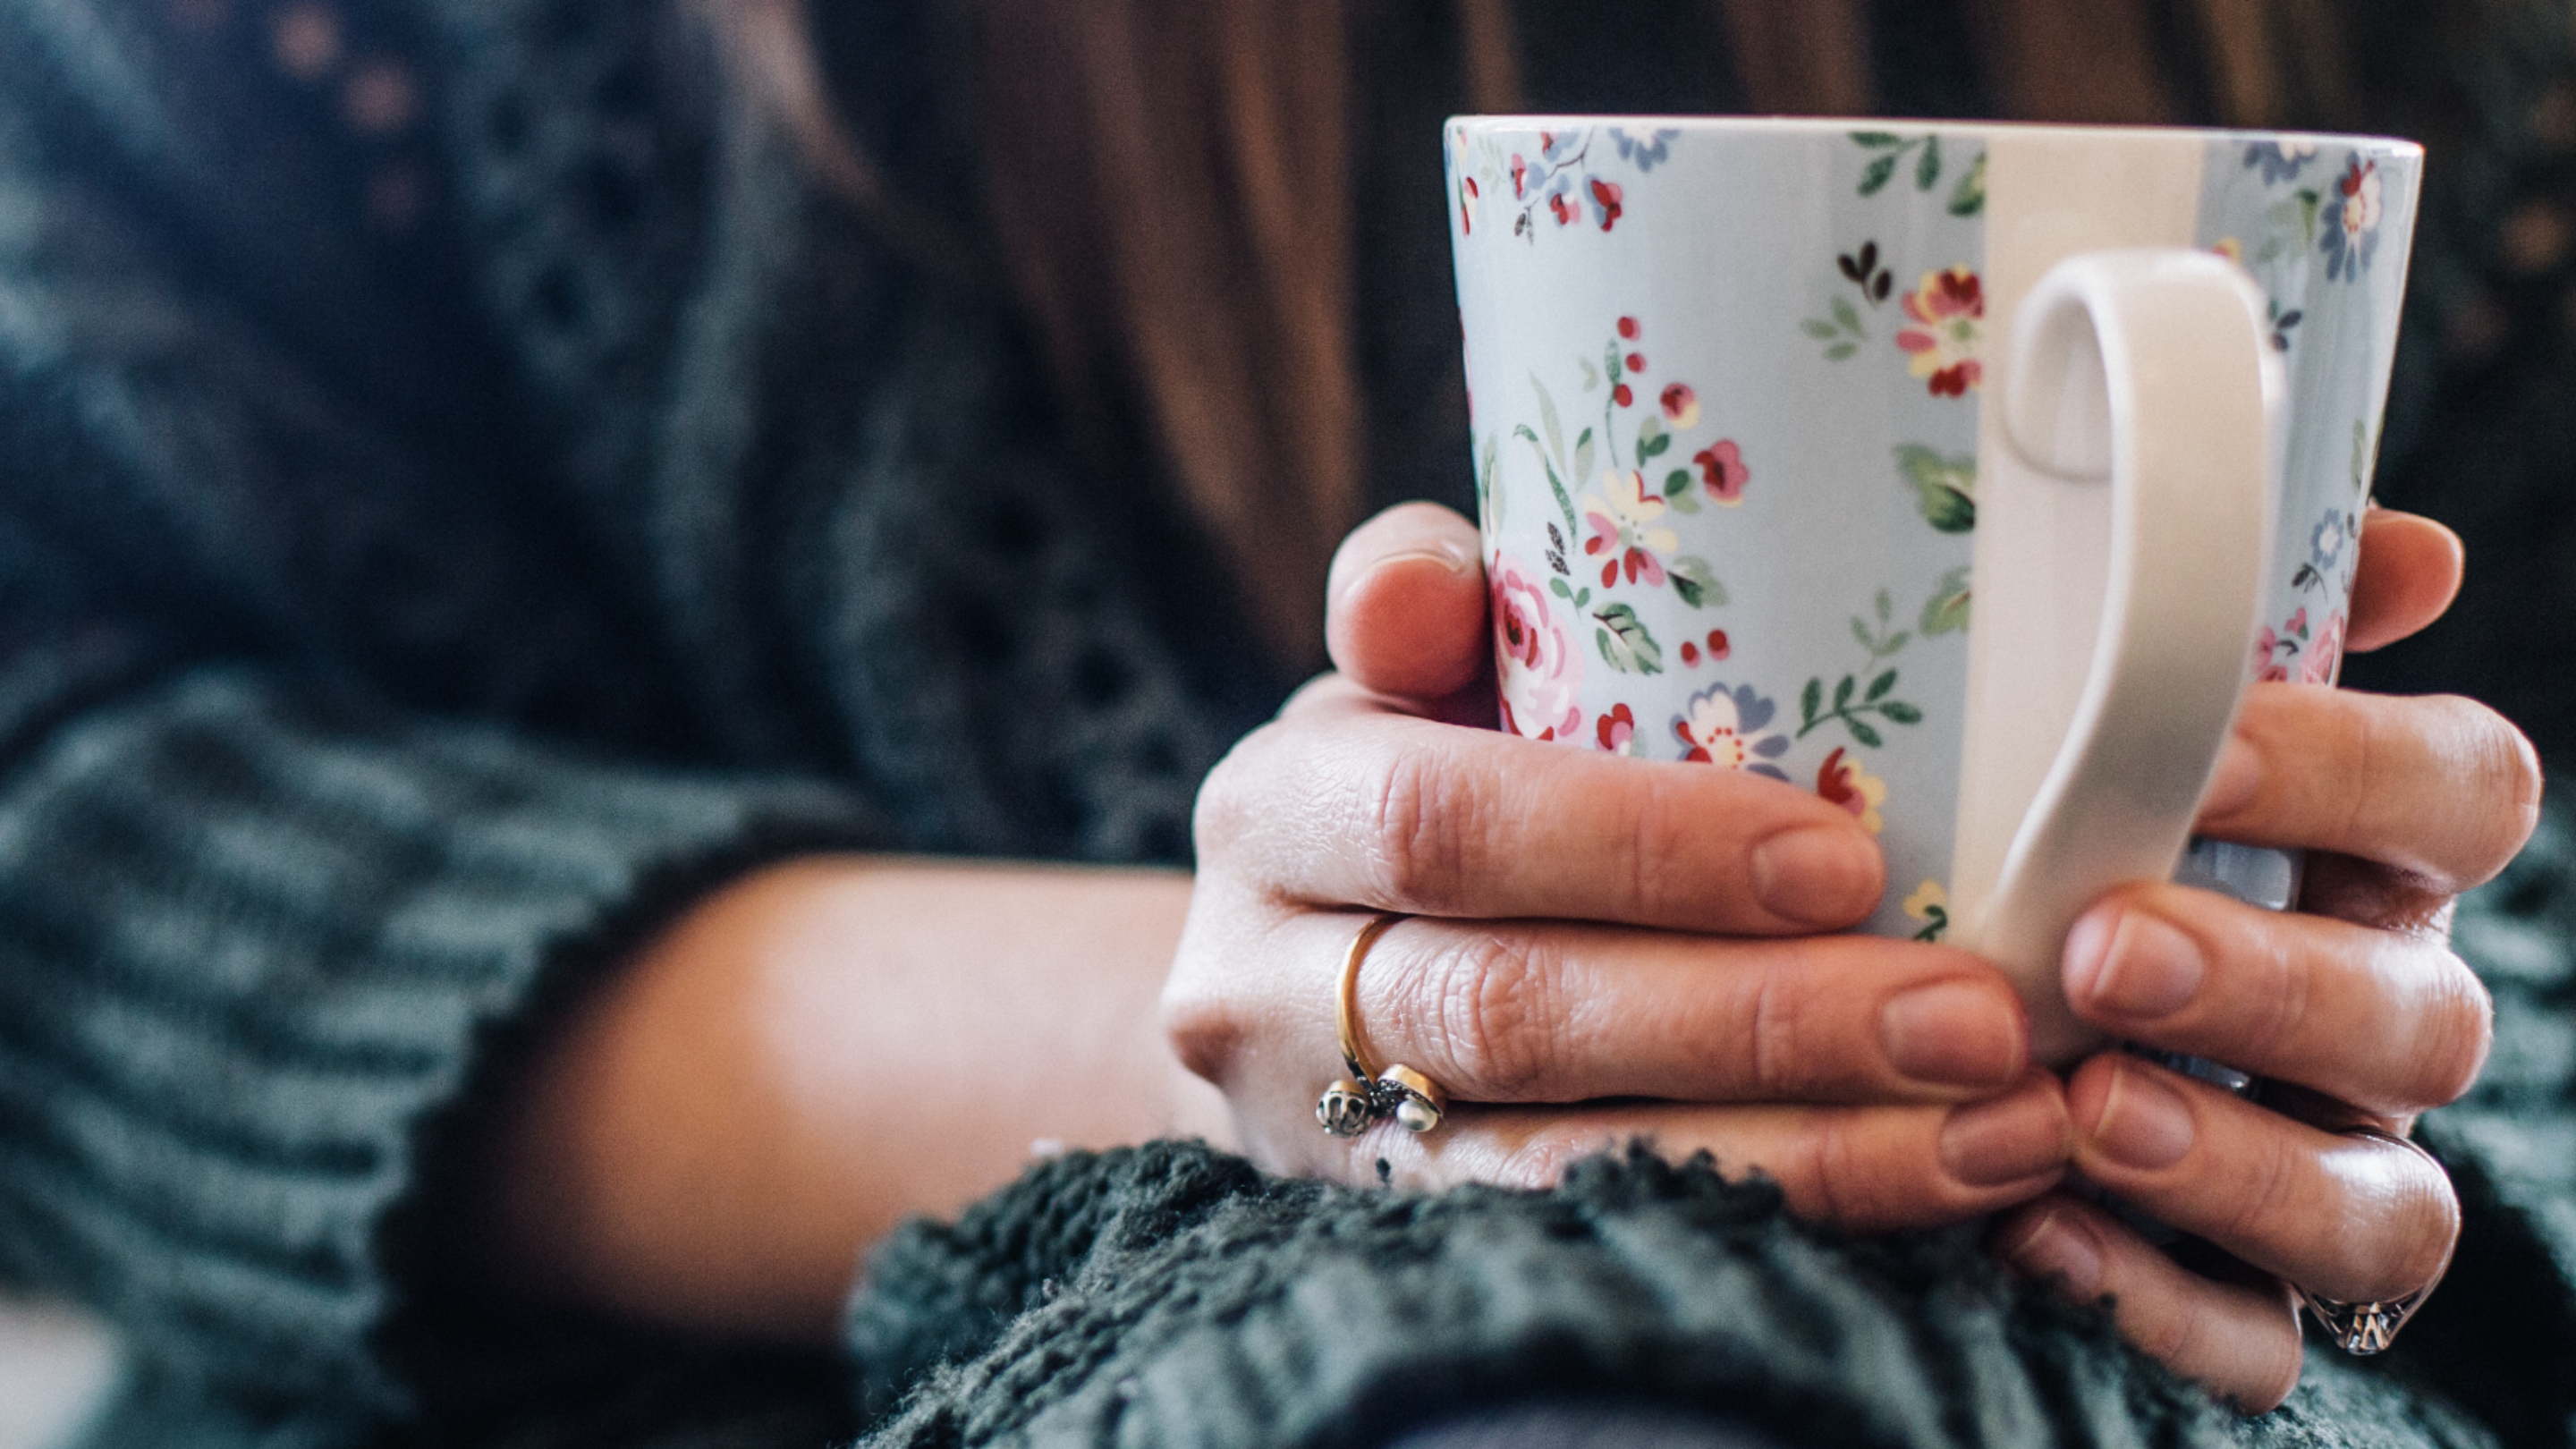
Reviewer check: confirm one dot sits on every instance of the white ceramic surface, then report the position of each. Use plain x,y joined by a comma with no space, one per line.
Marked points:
1739,433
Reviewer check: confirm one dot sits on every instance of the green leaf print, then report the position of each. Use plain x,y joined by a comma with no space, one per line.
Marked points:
1946,612
1969,197
1583,453
1927,167
1874,176
1946,488
1624,642
1694,582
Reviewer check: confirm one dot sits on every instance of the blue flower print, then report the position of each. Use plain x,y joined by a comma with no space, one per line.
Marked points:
2326,543
1644,150
2280,160
1725,727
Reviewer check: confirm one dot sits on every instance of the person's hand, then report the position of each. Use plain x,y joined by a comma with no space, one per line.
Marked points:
2353,1009
1605,948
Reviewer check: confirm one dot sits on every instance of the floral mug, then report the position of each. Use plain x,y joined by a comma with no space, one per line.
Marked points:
1760,408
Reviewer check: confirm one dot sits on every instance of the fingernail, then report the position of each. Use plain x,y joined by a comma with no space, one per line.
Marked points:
2232,782
2008,1139
2142,966
2144,1123
1818,874
1450,556
2055,1248
1956,1034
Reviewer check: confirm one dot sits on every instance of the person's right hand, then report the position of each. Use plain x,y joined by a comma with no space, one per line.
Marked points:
1605,948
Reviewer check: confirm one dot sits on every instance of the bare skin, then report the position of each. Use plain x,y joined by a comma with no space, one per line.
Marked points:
821,1050
832,1044
1637,941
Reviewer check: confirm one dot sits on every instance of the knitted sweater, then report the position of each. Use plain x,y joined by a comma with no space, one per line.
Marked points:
463,493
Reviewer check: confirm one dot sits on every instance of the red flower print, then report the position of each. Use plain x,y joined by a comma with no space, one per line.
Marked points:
1616,730
1845,783
1947,311
1622,395
1563,207
1605,200
1520,177
1628,328
1681,406
1722,471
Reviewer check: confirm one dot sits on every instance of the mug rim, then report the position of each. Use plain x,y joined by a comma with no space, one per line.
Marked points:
1844,125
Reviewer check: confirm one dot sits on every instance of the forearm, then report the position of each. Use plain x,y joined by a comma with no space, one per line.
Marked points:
815,1053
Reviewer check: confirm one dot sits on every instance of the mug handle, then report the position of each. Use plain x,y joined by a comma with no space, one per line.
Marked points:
2151,370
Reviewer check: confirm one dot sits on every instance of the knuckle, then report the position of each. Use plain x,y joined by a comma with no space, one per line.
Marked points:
2264,1196
1487,1015
1227,800
1542,1160
2503,768
1771,1047
2427,1228
1417,829
2458,1022
1667,837
2269,1390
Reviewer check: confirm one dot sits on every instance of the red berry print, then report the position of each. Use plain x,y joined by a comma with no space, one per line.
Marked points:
1636,362
1622,395
1690,653
1717,646
1628,328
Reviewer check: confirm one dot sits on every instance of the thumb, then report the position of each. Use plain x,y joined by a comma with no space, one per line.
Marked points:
1404,610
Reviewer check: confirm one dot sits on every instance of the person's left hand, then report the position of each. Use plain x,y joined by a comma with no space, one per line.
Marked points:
2353,1009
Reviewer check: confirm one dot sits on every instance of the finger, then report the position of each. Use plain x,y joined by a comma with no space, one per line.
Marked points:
2439,786
1405,605
1544,1012
1347,801
1864,1168
2351,1217
2410,570
2391,1022
2238,1340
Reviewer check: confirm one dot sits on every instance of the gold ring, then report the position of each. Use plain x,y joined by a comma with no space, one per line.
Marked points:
1355,1103
2362,1329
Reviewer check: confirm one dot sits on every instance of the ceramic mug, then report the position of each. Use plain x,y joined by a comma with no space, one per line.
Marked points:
1964,474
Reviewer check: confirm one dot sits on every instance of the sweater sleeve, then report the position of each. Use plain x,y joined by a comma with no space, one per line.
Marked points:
2501,1332
251,951
270,914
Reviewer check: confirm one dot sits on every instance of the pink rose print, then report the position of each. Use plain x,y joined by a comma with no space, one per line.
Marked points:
1722,472
1539,666
1617,730
1948,309
2317,666
1681,405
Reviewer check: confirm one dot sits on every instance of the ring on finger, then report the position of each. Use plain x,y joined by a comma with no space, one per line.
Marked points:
2362,1329
1359,1101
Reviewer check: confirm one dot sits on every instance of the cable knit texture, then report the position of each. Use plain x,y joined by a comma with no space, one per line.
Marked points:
464,492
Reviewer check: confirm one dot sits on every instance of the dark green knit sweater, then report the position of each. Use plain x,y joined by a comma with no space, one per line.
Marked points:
463,493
